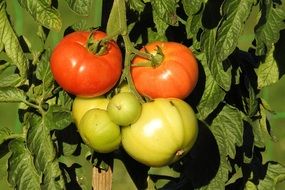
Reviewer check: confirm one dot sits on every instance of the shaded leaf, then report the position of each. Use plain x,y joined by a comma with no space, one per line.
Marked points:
11,44
43,13
270,24
22,173
235,13
80,7
12,94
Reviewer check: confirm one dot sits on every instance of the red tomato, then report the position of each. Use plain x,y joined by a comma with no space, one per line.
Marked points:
81,72
175,77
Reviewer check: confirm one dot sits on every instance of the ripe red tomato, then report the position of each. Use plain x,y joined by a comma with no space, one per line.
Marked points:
175,77
81,72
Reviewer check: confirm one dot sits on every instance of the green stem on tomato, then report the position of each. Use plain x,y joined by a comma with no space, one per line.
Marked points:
127,68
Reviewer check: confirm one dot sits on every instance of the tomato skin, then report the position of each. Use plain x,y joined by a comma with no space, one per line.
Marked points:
165,132
99,132
81,105
82,73
175,77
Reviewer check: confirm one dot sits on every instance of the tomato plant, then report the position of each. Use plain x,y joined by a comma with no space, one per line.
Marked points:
174,74
54,55
164,133
82,71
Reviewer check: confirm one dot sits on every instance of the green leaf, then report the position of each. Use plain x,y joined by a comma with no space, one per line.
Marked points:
235,13
250,186
22,173
43,13
251,102
57,117
268,72
270,24
212,96
192,7
12,94
160,26
227,129
117,18
11,44
4,134
137,5
193,24
80,7
10,80
274,175
166,10
220,74
41,146
43,73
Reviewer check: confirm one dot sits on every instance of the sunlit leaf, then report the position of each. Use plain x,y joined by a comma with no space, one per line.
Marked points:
166,10
116,18
235,13
12,94
220,74
268,72
212,96
11,44
4,134
80,6
22,173
43,13
41,146
270,24
275,174
137,5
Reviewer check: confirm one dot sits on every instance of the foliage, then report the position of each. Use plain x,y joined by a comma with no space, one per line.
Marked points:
233,117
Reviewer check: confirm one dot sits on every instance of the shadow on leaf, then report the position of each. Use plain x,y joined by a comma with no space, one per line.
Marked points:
201,164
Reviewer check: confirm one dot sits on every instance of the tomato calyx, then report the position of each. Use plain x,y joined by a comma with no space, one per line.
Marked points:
155,60
97,47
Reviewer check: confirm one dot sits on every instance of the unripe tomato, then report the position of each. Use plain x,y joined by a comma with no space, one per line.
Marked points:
99,132
174,77
124,108
81,105
81,72
165,132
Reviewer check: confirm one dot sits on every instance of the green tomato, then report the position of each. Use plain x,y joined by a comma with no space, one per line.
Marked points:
164,133
99,132
124,108
81,105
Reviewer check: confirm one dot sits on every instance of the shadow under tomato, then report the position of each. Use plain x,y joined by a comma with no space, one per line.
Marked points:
201,164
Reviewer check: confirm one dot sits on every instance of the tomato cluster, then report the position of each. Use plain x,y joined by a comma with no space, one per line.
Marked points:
157,132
